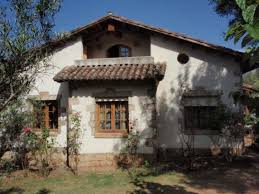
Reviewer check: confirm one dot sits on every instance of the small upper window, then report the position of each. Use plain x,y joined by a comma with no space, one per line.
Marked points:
119,51
183,58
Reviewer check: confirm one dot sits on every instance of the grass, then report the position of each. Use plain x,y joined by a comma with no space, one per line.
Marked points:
93,183
85,183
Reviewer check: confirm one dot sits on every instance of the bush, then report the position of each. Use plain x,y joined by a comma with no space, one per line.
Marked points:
12,121
41,147
73,143
16,136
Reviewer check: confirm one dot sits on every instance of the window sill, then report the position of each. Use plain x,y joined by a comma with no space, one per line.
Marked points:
201,132
110,134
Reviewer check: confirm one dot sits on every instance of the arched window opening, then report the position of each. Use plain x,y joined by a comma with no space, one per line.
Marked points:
119,51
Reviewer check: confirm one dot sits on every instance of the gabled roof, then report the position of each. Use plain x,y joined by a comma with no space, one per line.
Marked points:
111,72
149,28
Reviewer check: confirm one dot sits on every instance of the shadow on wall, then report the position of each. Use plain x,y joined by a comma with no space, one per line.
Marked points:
146,126
196,76
169,109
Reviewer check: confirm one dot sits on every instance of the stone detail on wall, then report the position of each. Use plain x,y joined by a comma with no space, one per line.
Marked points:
92,121
44,96
111,92
69,110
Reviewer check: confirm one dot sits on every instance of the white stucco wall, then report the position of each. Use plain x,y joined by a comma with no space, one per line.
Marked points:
205,69
61,57
138,112
44,83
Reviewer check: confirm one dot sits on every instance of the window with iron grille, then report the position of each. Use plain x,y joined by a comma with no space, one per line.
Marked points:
199,117
112,116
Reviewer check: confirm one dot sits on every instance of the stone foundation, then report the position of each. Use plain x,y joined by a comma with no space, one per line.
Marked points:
109,161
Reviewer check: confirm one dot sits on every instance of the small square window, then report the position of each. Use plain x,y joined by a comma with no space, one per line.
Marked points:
46,115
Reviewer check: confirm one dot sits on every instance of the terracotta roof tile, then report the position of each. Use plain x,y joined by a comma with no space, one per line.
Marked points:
112,72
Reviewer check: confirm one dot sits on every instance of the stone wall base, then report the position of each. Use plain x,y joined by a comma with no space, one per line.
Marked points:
109,161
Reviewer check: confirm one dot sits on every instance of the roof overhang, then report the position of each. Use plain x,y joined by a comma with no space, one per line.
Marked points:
97,25
105,72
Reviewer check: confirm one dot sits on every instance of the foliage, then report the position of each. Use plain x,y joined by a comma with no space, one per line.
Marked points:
40,145
12,121
233,135
6,167
24,26
231,131
132,142
251,119
243,25
252,78
187,150
17,136
73,141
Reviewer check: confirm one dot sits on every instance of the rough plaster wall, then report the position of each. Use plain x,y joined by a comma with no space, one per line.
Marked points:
139,44
44,83
84,102
204,69
62,57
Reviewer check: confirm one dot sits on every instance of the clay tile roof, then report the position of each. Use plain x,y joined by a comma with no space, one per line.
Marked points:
112,72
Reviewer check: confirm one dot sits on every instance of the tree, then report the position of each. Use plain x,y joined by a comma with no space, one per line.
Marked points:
252,78
243,25
25,25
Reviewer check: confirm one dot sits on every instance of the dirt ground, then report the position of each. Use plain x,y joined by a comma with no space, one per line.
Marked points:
239,177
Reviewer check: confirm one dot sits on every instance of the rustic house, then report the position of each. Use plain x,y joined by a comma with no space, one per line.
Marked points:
122,75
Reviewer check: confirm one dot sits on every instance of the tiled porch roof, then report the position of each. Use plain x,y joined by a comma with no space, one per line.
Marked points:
112,72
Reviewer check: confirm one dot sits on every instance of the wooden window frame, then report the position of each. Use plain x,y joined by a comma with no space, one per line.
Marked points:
113,132
45,110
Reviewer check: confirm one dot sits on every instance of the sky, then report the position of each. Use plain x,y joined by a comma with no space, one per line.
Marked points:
195,18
